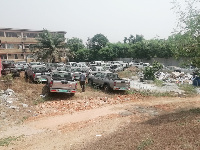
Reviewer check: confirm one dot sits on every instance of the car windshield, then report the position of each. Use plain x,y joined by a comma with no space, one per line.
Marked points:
34,63
61,69
75,69
112,76
40,69
61,76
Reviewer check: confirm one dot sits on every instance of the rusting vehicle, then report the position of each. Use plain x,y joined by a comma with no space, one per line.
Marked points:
60,82
109,81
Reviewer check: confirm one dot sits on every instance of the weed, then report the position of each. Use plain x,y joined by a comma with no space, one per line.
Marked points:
8,140
195,110
189,89
150,93
24,118
158,83
144,144
39,100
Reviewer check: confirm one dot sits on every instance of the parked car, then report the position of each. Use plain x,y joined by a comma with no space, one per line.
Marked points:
60,82
108,81
76,72
8,67
116,67
36,72
20,65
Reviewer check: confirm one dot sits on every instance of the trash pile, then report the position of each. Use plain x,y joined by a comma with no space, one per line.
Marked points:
175,77
9,99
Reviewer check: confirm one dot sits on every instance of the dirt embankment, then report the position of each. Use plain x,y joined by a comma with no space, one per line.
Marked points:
97,120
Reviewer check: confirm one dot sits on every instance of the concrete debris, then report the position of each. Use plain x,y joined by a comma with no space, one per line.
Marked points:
25,105
9,92
175,77
9,99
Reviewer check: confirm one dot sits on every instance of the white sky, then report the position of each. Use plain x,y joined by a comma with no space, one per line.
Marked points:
85,18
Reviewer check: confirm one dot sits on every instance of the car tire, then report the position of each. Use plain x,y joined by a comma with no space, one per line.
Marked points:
72,94
46,91
106,88
90,82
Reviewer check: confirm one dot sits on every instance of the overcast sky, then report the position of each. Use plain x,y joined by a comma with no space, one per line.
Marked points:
85,18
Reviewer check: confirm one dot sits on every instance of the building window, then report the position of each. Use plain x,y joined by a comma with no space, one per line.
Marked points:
16,56
10,46
1,34
3,46
19,46
3,56
31,35
11,34
9,54
22,55
26,46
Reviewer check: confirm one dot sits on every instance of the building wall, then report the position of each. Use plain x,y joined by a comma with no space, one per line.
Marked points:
165,61
15,43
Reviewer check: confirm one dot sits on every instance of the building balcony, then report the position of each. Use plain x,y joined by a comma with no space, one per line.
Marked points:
18,40
13,51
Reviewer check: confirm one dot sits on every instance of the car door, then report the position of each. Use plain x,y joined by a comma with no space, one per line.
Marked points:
97,78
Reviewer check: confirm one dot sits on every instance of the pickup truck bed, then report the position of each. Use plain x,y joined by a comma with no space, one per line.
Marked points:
109,81
60,82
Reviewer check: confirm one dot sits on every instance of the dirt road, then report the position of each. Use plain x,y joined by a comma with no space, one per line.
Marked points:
80,129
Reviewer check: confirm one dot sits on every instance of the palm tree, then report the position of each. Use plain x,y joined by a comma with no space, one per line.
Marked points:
50,46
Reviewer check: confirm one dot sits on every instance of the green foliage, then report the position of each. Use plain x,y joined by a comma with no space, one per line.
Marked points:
8,140
95,44
39,100
158,83
75,46
50,47
149,72
187,41
133,40
82,55
156,66
144,144
189,89
7,77
195,110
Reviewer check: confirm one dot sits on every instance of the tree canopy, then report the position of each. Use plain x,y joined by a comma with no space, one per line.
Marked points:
186,42
49,46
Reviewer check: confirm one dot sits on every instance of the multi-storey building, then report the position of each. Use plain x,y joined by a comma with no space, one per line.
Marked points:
15,43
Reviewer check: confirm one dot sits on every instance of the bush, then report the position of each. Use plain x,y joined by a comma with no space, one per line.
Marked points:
149,72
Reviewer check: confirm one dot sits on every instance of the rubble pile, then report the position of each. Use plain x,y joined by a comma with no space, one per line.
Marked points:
9,99
71,106
175,77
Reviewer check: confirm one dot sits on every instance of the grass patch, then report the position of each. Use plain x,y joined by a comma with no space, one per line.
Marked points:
188,88
143,145
8,140
150,93
195,110
158,83
128,73
39,100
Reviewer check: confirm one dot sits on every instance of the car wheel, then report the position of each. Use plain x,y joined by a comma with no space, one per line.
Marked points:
106,88
72,94
90,82
45,91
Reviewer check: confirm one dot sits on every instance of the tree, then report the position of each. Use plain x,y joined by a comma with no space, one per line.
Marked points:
149,72
50,46
133,40
82,55
96,43
186,42
74,45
